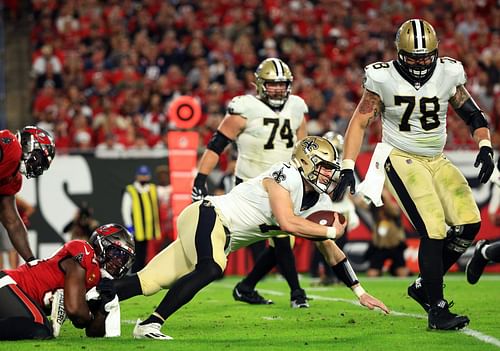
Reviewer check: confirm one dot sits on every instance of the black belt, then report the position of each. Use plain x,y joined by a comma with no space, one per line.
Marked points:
207,203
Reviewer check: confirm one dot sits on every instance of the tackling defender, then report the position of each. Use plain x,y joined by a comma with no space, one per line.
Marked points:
76,268
411,94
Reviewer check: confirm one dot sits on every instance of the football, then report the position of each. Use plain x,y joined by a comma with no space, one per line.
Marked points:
325,217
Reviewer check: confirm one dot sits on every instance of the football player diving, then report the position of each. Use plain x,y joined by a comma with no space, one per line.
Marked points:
278,200
411,95
265,127
76,267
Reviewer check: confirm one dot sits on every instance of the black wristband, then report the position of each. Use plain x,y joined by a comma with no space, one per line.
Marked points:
344,272
31,258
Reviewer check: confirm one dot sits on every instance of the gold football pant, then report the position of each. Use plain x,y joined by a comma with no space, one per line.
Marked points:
431,191
201,236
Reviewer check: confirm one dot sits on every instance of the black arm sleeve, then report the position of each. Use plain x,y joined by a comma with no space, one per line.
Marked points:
472,115
218,142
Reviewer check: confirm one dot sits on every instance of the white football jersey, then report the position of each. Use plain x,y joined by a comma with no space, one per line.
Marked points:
414,120
269,136
246,210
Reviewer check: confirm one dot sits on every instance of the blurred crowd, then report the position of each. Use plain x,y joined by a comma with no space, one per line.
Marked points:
104,72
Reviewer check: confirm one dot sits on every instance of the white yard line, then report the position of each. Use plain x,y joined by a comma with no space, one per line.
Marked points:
471,332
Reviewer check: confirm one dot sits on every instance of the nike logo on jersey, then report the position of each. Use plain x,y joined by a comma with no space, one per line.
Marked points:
87,252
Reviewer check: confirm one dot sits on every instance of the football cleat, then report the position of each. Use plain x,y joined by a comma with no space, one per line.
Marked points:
58,313
441,318
249,296
476,264
149,331
298,299
417,293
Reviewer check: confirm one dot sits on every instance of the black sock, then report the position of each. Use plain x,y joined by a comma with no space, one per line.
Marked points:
285,261
257,249
264,264
492,252
431,268
185,288
152,319
128,287
449,258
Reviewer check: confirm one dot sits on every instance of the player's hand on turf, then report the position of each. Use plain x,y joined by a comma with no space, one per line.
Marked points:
372,302
485,159
346,180
199,190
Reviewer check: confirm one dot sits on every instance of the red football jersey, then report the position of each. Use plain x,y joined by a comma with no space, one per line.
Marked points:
46,275
10,178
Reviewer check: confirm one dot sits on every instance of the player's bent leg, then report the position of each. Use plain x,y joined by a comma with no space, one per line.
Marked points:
164,269
285,260
458,239
19,328
20,317
477,263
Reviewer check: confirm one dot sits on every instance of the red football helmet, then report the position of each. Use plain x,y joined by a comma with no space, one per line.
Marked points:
114,248
38,151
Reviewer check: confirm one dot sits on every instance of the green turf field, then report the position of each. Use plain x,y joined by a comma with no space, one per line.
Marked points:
213,321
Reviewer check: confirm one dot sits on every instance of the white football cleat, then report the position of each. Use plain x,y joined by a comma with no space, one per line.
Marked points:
58,313
149,331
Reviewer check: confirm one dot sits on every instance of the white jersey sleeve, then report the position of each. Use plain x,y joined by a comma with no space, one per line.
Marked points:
269,135
414,118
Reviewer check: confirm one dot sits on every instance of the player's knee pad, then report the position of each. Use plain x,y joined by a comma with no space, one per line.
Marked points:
460,237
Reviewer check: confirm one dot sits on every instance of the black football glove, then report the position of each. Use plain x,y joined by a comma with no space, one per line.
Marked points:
199,187
346,179
106,290
485,159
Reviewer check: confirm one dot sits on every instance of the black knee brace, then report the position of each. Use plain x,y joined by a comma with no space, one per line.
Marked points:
460,237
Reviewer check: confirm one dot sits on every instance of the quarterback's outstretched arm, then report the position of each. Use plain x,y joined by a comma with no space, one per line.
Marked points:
342,268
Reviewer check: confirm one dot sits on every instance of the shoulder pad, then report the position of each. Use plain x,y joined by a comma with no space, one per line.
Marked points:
453,69
239,105
81,251
378,71
298,103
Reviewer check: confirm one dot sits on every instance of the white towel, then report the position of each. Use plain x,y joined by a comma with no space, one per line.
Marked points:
373,184
112,321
